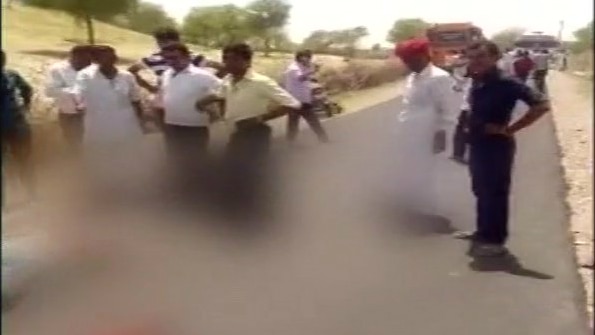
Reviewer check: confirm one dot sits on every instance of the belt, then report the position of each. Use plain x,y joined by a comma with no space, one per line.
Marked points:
249,122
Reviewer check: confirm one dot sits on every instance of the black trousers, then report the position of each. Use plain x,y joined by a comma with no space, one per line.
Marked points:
186,149
460,137
490,165
540,76
245,171
307,112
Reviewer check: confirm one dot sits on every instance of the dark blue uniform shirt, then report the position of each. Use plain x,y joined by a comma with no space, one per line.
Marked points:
13,87
493,99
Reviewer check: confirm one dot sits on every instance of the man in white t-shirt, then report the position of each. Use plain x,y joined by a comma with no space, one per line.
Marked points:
59,86
186,128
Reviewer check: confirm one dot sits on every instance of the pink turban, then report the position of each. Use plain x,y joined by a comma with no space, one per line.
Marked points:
412,48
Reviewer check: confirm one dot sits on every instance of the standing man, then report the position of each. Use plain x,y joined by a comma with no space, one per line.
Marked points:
492,145
59,86
523,66
16,131
298,82
186,128
541,59
430,108
505,62
247,97
110,100
157,64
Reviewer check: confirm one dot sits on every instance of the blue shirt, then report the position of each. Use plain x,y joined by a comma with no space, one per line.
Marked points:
16,92
493,99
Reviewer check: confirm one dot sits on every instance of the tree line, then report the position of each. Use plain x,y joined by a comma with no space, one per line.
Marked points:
260,22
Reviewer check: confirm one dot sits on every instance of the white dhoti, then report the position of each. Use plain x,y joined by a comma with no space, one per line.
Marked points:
415,170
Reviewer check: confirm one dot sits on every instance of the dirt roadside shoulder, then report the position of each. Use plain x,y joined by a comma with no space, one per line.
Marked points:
572,102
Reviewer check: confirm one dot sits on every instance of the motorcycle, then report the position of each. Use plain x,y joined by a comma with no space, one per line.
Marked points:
321,102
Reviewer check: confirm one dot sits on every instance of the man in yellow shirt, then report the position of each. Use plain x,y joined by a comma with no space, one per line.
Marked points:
248,100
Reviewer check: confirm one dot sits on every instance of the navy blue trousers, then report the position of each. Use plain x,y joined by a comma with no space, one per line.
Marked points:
490,165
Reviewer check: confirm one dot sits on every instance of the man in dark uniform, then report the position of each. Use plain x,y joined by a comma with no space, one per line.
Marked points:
493,97
16,131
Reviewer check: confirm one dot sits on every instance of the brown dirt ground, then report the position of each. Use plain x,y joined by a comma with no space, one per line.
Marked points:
572,100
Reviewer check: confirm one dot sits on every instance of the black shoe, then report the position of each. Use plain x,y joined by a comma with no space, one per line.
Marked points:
489,250
465,235
459,160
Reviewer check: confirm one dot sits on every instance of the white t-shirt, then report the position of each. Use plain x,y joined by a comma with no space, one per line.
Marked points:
59,86
181,91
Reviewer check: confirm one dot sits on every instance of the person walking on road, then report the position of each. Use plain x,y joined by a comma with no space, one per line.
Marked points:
298,82
186,128
429,111
246,98
541,59
60,84
16,131
493,97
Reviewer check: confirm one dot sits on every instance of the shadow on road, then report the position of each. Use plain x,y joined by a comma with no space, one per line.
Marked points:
509,264
417,225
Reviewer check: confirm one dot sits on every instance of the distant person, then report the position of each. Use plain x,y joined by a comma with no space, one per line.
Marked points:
523,66
247,97
493,97
541,59
505,63
186,128
110,101
157,64
429,112
16,131
59,86
298,81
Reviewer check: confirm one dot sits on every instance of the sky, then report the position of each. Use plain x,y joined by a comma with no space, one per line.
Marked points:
378,16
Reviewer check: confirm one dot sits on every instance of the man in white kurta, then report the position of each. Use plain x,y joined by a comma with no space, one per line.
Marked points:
430,107
113,126
110,100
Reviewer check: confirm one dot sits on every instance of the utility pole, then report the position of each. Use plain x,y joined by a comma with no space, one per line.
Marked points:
560,30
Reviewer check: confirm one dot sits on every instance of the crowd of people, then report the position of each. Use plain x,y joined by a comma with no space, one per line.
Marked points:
100,108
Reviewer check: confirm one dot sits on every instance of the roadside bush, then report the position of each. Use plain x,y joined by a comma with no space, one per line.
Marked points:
582,62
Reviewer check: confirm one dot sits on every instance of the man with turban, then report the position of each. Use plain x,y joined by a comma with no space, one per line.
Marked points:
430,108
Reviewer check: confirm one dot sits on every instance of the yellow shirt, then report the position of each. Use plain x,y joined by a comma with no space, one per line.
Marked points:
253,96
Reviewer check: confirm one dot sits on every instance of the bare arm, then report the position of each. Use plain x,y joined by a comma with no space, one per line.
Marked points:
533,114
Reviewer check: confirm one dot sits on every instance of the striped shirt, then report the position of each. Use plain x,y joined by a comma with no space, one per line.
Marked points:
158,64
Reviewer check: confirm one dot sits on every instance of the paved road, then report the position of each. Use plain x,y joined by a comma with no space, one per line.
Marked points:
340,263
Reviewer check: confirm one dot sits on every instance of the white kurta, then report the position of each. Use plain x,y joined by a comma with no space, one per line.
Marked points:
111,127
109,115
430,105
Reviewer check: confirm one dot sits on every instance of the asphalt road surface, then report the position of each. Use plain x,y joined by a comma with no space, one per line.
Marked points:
336,261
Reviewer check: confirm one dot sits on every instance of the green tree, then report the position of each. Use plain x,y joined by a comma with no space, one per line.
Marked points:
146,16
506,38
87,10
404,29
216,26
266,18
584,38
318,41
